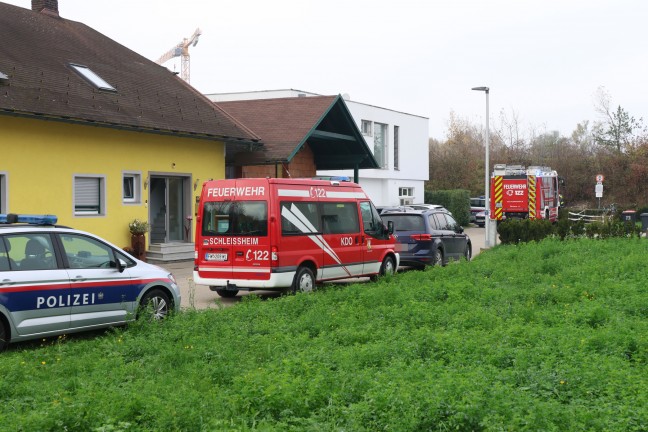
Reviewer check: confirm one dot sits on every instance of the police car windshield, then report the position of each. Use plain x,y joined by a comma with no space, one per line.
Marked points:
235,218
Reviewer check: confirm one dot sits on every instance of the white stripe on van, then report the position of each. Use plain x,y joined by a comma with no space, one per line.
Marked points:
293,193
338,194
297,218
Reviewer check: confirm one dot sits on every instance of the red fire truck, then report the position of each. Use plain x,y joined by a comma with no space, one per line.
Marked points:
524,192
270,233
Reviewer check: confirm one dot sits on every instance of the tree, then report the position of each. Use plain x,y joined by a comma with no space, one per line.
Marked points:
616,131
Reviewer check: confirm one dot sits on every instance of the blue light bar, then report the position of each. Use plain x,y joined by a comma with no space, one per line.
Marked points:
29,219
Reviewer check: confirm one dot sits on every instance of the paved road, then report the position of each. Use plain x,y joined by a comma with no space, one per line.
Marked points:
201,297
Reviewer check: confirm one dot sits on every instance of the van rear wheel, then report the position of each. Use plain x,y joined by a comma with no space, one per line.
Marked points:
226,293
304,280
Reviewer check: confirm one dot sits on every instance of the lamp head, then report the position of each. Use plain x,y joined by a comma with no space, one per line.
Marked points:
484,89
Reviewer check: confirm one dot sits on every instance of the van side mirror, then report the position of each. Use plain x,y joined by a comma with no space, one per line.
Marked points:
390,227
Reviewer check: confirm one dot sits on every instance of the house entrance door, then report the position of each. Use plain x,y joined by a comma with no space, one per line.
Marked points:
168,205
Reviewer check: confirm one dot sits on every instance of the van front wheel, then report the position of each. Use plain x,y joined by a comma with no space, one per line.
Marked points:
388,267
304,280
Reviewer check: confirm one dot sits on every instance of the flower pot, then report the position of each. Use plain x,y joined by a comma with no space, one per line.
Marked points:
138,243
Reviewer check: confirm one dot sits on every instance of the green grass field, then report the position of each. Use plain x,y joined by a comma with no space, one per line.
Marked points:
539,337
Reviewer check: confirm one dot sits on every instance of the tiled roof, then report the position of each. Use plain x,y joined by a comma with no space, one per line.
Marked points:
36,51
282,123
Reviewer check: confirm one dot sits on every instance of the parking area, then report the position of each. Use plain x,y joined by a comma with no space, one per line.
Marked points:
201,297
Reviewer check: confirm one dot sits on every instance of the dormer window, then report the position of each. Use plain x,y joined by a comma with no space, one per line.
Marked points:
93,78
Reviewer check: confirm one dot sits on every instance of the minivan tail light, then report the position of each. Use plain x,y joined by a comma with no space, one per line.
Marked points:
421,237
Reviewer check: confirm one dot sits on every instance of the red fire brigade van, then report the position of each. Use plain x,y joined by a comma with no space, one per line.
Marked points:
270,233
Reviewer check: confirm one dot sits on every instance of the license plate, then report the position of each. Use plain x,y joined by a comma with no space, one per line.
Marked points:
216,257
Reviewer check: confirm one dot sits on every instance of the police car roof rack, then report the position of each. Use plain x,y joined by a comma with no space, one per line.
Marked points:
12,218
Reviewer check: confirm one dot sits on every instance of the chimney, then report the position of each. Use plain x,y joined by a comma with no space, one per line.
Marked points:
48,7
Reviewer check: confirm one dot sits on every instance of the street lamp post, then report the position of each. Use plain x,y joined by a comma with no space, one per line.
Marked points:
489,237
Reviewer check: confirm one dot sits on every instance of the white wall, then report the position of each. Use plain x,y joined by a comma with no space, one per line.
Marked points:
382,185
413,167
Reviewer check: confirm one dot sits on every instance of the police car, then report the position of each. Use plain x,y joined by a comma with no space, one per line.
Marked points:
56,280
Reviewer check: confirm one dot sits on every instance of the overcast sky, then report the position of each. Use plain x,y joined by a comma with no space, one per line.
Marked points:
542,59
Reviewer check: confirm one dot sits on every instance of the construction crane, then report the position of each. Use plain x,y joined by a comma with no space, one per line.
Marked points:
182,50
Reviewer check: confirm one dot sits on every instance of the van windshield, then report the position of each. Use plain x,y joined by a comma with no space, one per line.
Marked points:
235,218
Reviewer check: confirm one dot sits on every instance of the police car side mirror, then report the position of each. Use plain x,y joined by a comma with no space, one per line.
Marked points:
121,265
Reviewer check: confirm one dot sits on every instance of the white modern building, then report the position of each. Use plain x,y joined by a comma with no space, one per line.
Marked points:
399,142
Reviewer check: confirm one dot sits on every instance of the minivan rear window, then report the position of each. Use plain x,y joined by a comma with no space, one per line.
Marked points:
405,222
235,218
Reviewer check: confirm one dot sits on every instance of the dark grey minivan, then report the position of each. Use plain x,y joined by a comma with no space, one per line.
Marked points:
428,237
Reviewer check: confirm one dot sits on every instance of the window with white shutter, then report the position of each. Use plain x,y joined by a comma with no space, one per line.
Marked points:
88,195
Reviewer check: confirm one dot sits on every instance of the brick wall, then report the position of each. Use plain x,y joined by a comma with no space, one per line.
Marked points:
256,171
302,165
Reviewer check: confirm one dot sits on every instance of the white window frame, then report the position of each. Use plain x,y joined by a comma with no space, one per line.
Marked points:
93,78
4,192
136,177
406,195
396,148
101,192
366,126
384,146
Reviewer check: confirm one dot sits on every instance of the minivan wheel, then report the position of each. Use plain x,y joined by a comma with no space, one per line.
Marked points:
226,293
438,258
155,304
468,252
304,280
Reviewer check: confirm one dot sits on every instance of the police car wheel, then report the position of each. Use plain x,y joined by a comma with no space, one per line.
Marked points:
226,293
304,280
3,335
155,304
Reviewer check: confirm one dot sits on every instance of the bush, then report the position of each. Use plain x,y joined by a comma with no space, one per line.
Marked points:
456,201
513,231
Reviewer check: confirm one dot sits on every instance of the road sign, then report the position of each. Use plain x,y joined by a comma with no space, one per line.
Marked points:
600,178
598,189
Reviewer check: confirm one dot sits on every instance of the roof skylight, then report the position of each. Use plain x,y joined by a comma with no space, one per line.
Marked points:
93,78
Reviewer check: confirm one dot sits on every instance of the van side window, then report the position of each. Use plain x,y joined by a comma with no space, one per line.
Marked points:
239,218
340,218
299,218
373,223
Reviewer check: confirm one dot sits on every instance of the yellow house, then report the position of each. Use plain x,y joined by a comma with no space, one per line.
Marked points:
98,135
